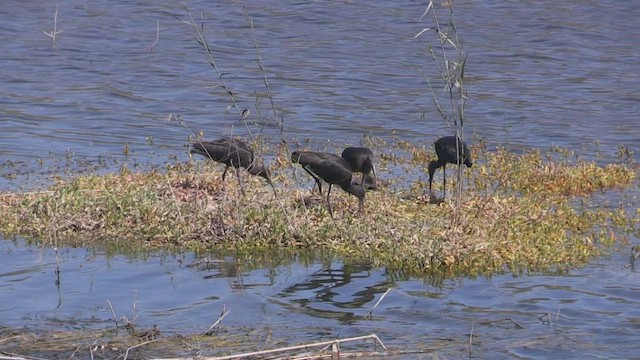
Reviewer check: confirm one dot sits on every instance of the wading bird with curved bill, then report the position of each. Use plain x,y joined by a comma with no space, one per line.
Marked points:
360,160
452,150
235,153
334,170
315,157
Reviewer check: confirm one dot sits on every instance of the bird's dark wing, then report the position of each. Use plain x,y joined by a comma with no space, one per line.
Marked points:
359,158
332,171
239,143
228,151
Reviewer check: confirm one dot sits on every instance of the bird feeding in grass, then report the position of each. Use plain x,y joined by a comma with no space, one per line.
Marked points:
232,152
360,160
334,170
449,149
309,157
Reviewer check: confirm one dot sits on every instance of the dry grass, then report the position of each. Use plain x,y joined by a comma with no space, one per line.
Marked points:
517,213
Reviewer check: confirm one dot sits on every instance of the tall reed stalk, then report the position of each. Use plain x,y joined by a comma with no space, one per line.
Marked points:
449,58
199,34
276,116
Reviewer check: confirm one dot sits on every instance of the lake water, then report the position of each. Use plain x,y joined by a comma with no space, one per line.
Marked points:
539,74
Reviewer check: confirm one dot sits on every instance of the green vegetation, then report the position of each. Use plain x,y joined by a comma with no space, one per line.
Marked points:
518,212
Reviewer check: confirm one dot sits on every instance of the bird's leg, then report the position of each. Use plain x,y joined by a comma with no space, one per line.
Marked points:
224,173
444,181
318,181
375,177
329,202
240,181
275,193
433,165
361,206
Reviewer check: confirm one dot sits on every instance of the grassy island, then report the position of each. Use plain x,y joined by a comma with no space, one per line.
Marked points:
518,211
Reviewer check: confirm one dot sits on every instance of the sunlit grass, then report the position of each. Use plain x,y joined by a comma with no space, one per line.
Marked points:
517,213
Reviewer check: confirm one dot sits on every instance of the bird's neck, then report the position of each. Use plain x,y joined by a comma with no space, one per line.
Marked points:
256,169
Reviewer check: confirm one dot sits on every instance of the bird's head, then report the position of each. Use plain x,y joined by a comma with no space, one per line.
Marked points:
370,182
467,161
263,171
359,192
433,166
295,156
355,189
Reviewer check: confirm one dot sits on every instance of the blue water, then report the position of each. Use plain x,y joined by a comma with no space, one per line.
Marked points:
535,76
590,312
538,74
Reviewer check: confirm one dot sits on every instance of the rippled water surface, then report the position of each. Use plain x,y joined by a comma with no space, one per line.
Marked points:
336,70
591,312
539,74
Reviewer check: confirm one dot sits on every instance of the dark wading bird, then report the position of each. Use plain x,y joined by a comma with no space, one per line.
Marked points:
361,160
316,157
331,168
358,159
232,152
449,151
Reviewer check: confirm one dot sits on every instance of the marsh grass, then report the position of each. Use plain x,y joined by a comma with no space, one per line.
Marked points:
520,213
151,343
112,343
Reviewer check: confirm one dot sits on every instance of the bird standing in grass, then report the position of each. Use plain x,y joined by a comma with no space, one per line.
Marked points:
360,160
333,169
232,152
450,149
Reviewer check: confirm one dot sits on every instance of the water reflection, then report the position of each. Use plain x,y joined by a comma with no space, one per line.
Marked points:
596,308
330,292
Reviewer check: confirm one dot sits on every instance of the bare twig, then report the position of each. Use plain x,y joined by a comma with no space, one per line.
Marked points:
157,36
329,343
278,118
113,313
451,71
53,33
74,352
202,41
378,302
473,324
518,326
126,353
370,313
224,313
